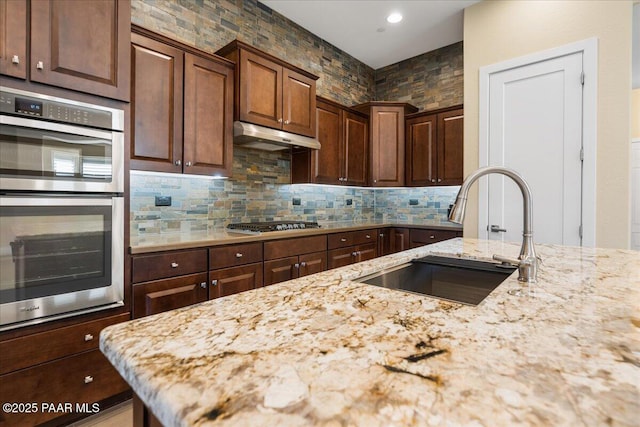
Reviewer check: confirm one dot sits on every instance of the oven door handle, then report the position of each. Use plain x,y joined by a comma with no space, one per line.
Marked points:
55,127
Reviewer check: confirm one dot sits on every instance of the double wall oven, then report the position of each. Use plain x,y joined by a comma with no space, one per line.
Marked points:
61,208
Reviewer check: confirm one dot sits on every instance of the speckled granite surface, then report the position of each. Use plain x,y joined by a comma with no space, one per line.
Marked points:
327,351
170,241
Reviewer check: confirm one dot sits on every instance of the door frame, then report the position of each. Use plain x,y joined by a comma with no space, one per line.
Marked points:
589,50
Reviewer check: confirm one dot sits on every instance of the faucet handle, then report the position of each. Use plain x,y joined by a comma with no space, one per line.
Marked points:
508,261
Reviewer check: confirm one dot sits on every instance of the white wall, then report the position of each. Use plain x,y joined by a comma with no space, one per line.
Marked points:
495,31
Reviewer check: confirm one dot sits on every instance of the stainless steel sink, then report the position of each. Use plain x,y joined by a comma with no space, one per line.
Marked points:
453,279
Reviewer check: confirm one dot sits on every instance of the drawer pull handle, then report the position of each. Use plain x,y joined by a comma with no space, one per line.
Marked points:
343,239
88,337
238,255
354,253
174,265
303,264
367,236
296,265
15,59
40,65
214,282
432,237
88,379
203,285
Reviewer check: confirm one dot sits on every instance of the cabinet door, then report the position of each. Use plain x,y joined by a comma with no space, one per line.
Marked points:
13,38
366,252
228,281
356,137
84,378
312,263
298,103
421,151
168,294
387,146
280,270
328,162
341,257
399,240
450,146
156,108
384,242
82,45
421,237
260,91
208,117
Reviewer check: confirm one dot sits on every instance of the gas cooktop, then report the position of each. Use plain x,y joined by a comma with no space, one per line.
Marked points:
260,227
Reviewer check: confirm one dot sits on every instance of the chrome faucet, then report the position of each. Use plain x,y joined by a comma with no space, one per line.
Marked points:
527,262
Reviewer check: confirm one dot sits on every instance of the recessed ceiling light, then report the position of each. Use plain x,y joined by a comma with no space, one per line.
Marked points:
394,18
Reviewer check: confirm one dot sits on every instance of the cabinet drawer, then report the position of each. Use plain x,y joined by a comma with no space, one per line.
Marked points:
43,347
292,247
425,237
349,238
168,264
230,256
229,281
168,294
83,378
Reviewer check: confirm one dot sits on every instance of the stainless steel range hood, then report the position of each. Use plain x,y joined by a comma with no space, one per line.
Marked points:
263,138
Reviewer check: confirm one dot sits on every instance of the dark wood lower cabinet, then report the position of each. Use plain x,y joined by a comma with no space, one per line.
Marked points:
83,379
352,254
142,416
421,237
398,240
168,294
283,269
229,281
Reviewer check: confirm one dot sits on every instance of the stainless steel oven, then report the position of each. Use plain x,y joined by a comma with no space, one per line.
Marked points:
55,144
61,208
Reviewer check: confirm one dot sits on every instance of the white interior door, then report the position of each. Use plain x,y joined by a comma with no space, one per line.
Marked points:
535,128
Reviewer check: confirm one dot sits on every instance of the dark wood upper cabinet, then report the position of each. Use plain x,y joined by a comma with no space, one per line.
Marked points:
156,105
13,38
386,141
342,158
182,108
82,45
434,147
271,92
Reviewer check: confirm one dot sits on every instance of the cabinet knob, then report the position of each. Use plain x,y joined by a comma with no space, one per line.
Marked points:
88,379
203,285
238,255
174,265
178,162
187,164
439,179
214,282
303,264
368,236
88,337
15,59
40,65
433,180
296,265
343,239
279,120
375,180
381,235
286,122
354,253
432,237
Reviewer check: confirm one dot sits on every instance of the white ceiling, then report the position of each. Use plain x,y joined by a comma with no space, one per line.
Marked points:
355,25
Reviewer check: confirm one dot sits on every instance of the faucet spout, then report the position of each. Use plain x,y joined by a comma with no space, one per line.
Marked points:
527,261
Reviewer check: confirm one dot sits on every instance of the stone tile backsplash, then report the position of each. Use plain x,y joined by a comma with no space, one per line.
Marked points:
260,191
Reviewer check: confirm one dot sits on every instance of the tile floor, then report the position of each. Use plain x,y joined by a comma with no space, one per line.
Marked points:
120,415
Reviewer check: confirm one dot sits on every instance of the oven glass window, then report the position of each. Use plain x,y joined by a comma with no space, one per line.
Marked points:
52,250
26,152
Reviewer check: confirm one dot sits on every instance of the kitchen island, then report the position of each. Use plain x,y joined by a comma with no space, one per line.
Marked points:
326,350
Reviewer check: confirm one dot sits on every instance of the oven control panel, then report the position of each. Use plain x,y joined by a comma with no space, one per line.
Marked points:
58,110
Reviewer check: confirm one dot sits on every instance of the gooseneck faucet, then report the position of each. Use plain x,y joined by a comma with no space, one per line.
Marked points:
527,262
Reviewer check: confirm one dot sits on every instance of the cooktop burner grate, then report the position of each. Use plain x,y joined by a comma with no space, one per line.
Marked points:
260,227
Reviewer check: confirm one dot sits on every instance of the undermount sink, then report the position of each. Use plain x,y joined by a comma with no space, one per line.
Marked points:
454,279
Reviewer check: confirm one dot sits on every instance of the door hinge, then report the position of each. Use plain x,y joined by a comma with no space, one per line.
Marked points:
580,231
582,154
582,78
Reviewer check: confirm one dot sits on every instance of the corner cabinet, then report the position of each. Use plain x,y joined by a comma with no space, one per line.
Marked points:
182,108
77,45
434,147
386,141
343,157
271,92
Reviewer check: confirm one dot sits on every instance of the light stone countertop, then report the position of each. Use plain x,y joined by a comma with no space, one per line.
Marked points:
171,241
324,350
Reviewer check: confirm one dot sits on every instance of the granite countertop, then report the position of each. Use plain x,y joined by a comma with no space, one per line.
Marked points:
324,350
171,241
